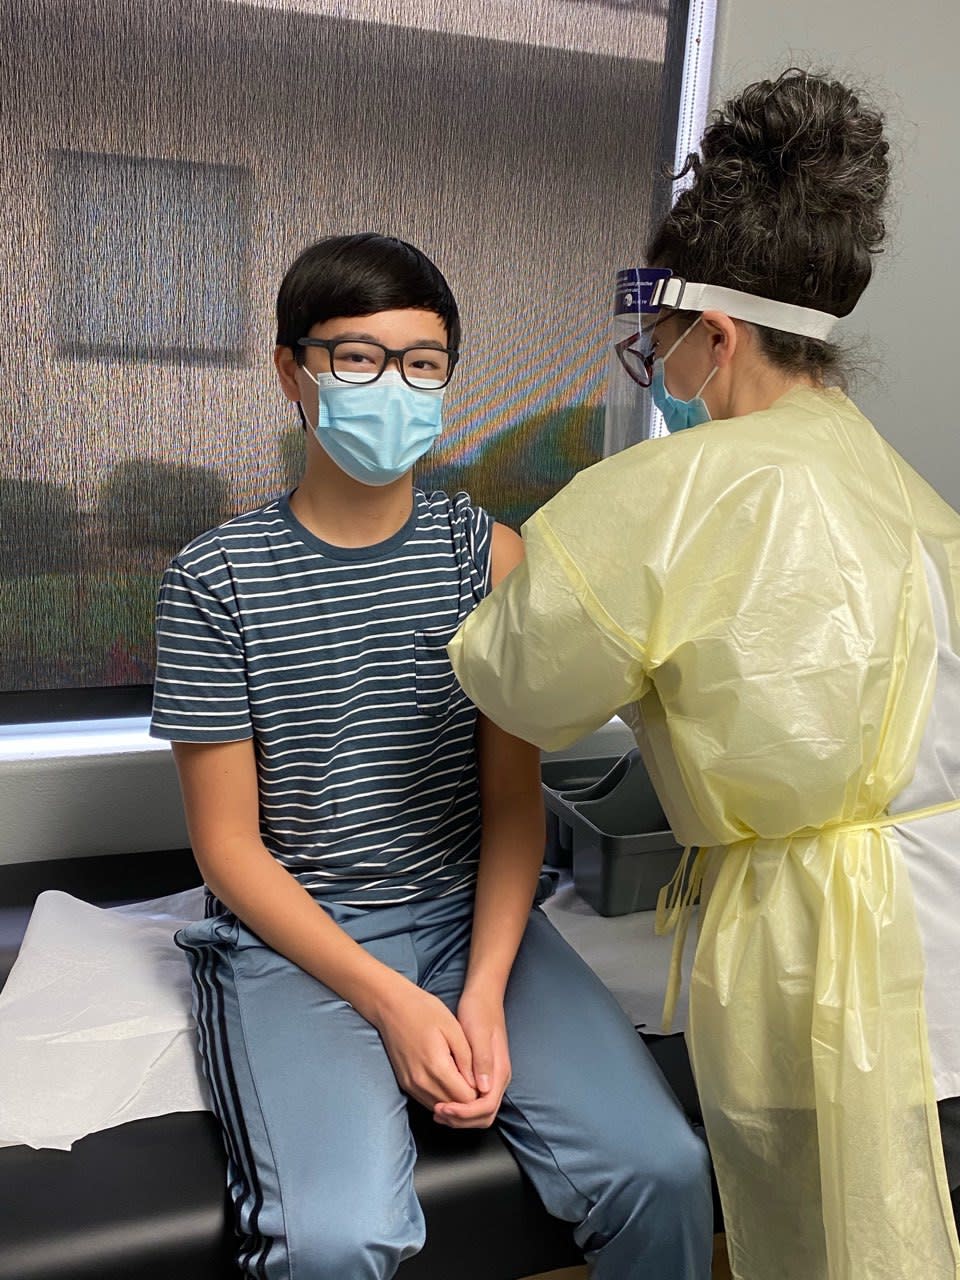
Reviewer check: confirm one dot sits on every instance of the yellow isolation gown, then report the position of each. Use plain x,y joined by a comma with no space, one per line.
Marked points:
751,596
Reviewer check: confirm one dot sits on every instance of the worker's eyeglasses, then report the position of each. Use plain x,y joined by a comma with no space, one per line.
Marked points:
423,368
638,352
637,358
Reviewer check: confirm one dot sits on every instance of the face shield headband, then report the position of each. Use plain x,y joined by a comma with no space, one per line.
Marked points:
643,293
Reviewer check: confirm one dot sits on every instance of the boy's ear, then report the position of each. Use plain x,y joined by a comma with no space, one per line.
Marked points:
286,365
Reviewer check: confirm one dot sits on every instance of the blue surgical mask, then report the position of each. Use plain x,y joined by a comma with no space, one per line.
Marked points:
375,431
678,415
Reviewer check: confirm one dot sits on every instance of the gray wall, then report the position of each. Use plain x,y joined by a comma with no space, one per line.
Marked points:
906,57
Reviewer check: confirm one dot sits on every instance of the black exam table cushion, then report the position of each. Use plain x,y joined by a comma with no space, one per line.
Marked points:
146,1201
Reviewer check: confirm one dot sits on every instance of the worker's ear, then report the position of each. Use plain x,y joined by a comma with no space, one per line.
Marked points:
723,334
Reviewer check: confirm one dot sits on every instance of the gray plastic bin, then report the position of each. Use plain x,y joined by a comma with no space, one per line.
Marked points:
623,849
567,780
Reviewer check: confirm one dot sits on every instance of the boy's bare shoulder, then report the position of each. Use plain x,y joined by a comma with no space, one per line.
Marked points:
506,551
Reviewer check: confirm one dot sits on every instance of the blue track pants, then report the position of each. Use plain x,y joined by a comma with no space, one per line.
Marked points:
320,1153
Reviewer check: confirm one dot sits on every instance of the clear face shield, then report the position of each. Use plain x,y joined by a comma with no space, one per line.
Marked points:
629,414
642,294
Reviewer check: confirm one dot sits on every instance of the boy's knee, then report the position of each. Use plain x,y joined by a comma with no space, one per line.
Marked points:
685,1168
671,1183
357,1245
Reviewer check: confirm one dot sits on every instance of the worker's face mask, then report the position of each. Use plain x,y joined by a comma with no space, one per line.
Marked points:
678,414
375,431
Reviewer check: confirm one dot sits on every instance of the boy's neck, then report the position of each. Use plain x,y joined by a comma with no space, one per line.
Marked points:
345,513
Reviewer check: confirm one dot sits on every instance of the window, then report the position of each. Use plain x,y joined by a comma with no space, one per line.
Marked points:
148,258
153,199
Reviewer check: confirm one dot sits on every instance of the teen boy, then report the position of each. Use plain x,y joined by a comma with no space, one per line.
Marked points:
371,846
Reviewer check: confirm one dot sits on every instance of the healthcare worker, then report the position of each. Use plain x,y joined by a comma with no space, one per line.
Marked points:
770,597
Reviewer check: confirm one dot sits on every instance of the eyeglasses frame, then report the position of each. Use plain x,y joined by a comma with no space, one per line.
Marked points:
622,347
390,353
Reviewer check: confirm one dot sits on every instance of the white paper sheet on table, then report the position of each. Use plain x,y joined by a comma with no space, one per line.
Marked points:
95,1021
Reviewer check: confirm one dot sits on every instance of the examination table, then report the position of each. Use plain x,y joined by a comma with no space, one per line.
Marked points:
146,1200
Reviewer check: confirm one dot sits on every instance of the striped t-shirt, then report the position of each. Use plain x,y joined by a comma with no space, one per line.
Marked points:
334,661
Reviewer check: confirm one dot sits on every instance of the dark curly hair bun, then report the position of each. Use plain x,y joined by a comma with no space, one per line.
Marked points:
787,197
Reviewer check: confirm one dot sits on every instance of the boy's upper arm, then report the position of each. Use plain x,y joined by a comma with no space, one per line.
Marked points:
506,552
218,781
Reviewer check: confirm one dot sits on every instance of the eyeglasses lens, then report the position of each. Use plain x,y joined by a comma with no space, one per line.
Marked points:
424,367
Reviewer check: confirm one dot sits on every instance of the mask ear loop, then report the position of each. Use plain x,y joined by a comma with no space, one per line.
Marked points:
715,369
689,330
305,421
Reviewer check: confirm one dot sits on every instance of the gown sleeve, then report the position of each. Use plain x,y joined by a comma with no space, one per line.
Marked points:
541,657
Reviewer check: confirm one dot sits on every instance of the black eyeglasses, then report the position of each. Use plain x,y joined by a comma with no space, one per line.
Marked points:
423,368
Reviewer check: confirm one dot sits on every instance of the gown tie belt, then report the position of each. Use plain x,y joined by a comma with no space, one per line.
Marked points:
676,900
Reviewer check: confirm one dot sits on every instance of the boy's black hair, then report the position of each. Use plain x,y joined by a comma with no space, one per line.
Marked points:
356,276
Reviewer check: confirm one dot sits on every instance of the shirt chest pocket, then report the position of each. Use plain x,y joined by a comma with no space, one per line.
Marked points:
437,686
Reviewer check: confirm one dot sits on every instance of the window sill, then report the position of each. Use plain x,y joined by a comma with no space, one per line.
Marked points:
86,788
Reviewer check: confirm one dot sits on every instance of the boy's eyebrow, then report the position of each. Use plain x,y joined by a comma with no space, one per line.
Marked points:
357,336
